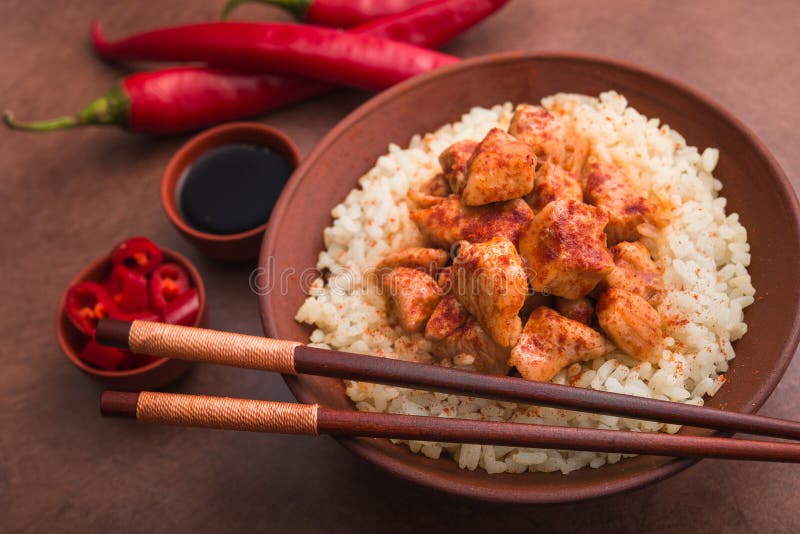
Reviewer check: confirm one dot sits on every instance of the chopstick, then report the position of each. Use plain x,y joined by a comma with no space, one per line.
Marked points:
289,357
311,419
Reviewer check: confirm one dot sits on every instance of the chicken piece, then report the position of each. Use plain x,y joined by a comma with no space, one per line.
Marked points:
444,279
580,310
453,160
501,168
489,280
552,137
631,323
430,260
565,249
413,296
553,183
446,319
469,347
429,193
551,342
635,271
450,221
607,187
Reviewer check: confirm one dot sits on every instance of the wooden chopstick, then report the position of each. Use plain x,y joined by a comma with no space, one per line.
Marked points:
288,357
311,419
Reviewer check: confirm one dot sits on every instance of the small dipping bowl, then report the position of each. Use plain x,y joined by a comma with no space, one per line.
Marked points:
151,376
227,247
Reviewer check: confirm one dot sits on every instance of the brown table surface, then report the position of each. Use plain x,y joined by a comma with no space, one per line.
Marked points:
67,197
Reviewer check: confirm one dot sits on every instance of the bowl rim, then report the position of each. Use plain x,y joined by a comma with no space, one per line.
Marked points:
520,495
176,166
82,275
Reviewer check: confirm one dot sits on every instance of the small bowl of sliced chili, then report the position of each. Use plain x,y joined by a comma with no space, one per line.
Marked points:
137,280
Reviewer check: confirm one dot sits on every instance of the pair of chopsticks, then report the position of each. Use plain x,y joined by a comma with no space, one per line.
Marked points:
252,352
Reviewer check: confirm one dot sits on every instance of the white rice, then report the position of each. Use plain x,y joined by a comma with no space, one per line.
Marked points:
703,251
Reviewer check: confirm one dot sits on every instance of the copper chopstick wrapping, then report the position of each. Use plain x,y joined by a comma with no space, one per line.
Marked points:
294,358
287,418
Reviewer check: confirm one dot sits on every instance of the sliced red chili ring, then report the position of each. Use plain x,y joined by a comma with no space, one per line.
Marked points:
138,254
128,289
167,282
107,358
183,309
87,303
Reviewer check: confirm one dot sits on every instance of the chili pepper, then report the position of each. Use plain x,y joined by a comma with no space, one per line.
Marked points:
107,358
87,303
180,99
138,254
186,98
320,53
333,12
183,309
166,283
128,289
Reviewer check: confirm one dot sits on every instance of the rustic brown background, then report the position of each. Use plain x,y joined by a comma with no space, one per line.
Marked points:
67,197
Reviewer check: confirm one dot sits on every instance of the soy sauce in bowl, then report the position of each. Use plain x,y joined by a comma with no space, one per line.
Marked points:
231,188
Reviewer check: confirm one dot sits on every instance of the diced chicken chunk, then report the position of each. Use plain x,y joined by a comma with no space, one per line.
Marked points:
550,342
469,347
430,260
489,280
501,168
553,183
635,271
552,137
607,187
446,319
580,310
449,221
413,295
453,160
444,279
631,323
565,249
431,192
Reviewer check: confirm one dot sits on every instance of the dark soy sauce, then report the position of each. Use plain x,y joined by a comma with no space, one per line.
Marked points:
232,188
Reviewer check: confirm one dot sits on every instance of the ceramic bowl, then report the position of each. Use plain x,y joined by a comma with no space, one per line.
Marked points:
754,184
151,376
227,247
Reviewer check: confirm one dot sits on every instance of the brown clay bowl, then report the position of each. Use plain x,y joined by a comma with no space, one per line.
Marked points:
754,184
151,376
227,247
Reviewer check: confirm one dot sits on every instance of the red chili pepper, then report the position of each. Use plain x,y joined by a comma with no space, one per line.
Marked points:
138,254
180,99
333,12
87,303
167,282
311,51
183,310
186,98
107,358
128,289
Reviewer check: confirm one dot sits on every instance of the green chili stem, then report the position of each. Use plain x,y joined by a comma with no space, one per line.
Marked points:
111,109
